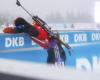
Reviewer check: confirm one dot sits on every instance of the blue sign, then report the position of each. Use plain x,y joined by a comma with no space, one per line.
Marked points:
85,48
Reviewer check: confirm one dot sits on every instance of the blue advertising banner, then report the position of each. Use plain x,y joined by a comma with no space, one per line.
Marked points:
85,48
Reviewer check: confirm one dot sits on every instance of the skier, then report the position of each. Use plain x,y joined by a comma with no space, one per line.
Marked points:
39,35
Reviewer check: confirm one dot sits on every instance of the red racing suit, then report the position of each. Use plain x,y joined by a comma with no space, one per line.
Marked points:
42,36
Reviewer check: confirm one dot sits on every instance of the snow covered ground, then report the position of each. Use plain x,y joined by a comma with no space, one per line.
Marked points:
45,72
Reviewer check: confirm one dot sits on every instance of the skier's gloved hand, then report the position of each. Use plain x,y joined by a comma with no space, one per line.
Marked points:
35,17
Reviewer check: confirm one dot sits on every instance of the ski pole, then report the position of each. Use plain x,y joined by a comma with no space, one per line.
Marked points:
19,4
35,18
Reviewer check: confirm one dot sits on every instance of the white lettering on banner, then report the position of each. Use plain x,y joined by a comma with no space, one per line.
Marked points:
95,36
83,63
96,63
80,37
64,38
14,42
33,43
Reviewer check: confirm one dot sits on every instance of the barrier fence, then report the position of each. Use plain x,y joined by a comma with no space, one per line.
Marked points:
85,45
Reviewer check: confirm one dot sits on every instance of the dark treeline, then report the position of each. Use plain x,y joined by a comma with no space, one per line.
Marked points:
6,18
69,17
54,18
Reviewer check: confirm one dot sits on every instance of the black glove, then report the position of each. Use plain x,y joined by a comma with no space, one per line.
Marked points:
69,51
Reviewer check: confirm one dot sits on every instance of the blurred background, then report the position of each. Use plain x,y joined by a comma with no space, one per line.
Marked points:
68,11
77,21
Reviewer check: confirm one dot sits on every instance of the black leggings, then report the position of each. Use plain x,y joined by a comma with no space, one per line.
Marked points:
51,59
